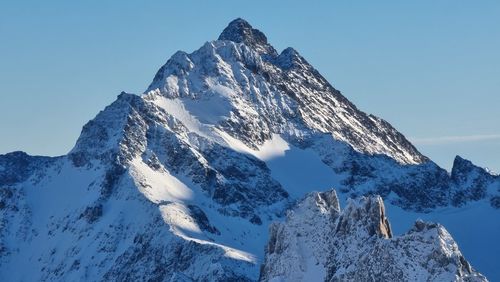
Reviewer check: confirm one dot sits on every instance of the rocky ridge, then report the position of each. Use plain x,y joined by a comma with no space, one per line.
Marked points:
320,242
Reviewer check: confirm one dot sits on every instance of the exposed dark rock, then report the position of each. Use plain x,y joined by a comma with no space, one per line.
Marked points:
92,214
111,179
19,166
202,219
256,220
240,31
495,202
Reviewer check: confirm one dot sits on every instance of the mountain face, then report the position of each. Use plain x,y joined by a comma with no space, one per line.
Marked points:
257,92
181,183
320,242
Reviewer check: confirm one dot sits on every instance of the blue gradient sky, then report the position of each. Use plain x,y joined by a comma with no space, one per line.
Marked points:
431,68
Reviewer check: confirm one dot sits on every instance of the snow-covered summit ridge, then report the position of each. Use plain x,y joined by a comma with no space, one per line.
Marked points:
267,93
356,244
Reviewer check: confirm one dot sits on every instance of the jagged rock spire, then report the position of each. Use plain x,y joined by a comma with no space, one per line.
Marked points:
240,31
356,244
367,213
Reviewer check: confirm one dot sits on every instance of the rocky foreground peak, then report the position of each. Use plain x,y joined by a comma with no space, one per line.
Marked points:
356,244
366,214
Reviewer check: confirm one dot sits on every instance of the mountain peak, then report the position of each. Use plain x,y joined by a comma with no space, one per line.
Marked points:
461,165
240,31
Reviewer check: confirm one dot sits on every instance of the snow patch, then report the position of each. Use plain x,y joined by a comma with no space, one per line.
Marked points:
158,186
177,109
270,149
301,171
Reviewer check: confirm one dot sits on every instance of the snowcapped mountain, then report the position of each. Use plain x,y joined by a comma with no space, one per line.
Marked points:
181,183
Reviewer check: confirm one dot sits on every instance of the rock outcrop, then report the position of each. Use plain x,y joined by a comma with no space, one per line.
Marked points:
320,242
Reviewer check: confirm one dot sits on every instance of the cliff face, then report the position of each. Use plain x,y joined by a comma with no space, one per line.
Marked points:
320,242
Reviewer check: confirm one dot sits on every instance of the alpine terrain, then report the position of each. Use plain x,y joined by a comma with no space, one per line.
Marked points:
209,175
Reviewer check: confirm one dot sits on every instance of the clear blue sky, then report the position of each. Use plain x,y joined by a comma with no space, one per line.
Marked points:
431,68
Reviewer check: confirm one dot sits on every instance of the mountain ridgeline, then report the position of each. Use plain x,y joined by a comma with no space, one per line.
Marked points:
209,176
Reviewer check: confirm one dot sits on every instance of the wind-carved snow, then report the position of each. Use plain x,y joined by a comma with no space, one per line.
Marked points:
177,109
271,149
177,216
199,117
298,170
301,170
157,186
196,116
174,198
214,106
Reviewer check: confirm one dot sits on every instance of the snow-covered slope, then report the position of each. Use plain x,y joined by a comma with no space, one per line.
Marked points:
182,181
320,242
